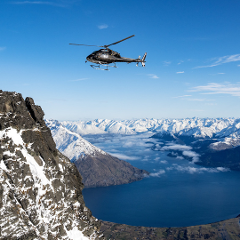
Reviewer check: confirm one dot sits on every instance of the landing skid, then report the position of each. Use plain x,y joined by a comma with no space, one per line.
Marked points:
98,67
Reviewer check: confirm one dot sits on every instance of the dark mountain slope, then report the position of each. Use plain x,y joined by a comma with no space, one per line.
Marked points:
105,170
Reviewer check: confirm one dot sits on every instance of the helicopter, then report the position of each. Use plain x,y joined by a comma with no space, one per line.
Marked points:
106,56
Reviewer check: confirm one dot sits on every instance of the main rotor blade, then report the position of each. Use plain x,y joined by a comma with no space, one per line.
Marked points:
77,44
117,41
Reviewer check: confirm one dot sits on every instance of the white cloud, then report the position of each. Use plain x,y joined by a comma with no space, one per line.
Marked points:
183,96
180,62
164,162
193,155
153,76
123,156
192,170
222,169
158,174
216,88
103,26
222,60
176,147
186,151
179,72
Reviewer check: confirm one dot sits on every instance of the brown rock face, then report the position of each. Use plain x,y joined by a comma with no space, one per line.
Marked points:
40,189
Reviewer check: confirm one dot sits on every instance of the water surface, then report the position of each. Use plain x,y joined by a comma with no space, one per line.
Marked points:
177,192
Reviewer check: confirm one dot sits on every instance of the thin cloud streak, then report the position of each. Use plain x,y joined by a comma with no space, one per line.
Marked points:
154,76
77,80
179,72
192,170
216,88
102,26
222,60
123,156
183,96
188,98
167,63
62,4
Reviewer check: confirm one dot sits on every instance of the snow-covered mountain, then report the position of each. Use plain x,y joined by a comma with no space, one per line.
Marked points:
199,127
71,144
223,129
40,189
97,168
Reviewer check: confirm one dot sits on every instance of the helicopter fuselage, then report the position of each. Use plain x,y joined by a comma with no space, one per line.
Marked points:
107,56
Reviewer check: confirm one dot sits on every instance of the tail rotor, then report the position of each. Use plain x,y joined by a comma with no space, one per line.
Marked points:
143,59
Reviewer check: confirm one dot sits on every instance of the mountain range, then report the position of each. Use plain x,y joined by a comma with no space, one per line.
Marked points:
214,142
197,127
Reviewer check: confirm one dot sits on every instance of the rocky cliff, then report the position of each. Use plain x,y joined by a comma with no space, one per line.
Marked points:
40,189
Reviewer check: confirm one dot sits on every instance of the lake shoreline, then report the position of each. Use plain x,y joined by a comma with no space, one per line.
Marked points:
217,230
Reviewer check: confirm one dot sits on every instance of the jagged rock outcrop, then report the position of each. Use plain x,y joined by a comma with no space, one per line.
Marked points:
40,189
97,168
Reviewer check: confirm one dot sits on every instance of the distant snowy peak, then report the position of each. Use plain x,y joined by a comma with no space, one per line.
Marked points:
69,143
98,126
197,127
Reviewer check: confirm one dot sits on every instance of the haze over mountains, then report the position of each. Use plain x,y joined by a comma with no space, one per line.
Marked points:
206,140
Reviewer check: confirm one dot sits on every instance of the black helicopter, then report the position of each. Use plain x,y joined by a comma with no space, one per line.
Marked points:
106,56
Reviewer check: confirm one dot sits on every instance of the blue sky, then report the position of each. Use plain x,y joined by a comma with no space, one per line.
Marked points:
192,68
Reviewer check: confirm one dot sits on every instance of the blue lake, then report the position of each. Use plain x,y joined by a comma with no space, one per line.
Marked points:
177,192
